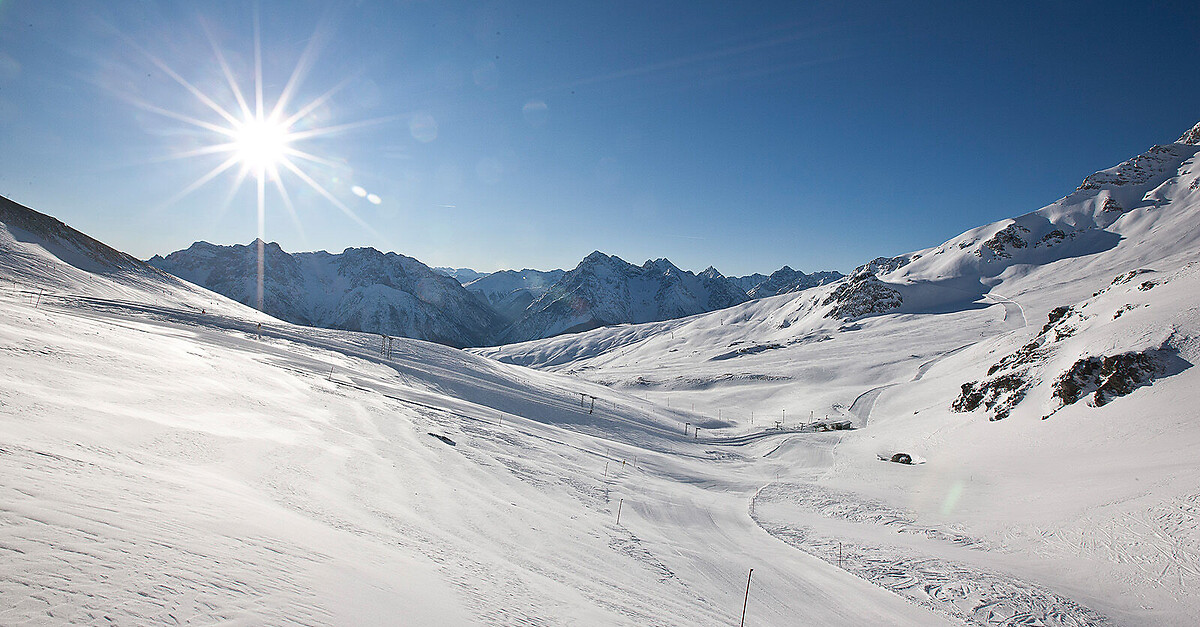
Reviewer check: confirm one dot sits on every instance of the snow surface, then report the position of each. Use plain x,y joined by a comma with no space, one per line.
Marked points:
163,464
1075,514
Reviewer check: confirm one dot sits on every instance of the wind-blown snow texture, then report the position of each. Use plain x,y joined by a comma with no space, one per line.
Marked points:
360,289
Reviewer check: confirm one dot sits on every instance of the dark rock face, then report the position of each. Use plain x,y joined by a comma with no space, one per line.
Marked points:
1139,169
1008,238
862,295
1106,378
998,395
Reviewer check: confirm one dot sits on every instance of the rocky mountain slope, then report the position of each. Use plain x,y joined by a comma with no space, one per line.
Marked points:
360,289
605,290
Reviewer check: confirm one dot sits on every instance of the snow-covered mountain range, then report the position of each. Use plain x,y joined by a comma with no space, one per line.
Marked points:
605,290
360,289
783,281
509,292
462,275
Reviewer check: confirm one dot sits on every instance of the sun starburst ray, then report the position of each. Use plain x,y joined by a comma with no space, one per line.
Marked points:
228,72
307,58
292,152
318,101
208,126
198,183
330,197
192,89
339,128
287,203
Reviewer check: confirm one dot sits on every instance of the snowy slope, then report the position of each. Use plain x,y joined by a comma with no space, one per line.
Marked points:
605,290
1042,369
509,292
360,289
167,465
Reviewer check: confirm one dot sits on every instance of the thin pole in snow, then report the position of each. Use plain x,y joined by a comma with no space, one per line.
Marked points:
746,600
330,377
606,469
619,504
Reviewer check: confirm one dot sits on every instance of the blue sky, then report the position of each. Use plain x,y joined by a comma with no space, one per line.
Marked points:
818,135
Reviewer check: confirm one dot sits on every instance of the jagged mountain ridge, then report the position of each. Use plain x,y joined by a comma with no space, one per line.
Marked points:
510,292
783,281
462,275
360,289
605,290
786,280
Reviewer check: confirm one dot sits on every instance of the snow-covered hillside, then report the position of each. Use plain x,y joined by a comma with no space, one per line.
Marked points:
509,292
1041,368
167,464
360,289
605,290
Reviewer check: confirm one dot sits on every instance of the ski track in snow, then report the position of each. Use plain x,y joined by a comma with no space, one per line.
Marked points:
959,590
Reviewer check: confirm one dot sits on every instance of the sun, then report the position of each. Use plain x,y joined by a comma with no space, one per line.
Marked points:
261,145
258,140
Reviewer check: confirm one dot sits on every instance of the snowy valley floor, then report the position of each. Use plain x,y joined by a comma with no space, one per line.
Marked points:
166,466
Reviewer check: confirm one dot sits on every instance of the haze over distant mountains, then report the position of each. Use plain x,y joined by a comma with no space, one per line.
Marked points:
362,289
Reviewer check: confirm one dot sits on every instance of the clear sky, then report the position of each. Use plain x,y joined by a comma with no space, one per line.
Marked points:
507,135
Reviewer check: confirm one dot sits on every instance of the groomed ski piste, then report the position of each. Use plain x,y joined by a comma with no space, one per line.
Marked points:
169,456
